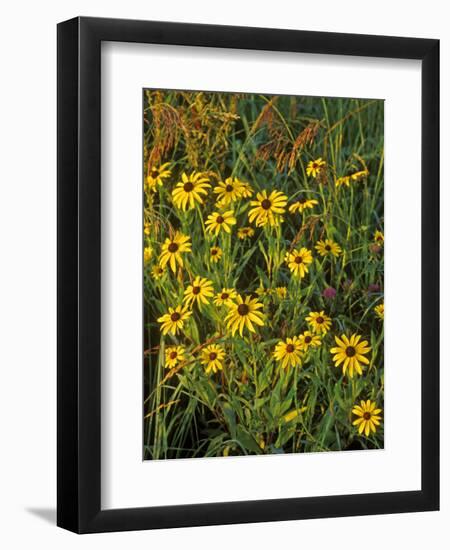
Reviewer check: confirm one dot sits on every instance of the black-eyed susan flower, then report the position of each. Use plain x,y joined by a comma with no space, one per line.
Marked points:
295,413
350,352
343,180
261,291
243,313
359,175
298,261
190,190
174,355
157,175
245,232
198,292
212,357
315,167
309,340
368,417
220,220
346,180
378,237
288,352
225,297
228,191
280,292
267,209
302,204
328,247
157,272
173,321
148,253
245,189
172,249
215,253
319,321
379,310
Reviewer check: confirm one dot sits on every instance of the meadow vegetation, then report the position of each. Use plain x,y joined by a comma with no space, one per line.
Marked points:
263,274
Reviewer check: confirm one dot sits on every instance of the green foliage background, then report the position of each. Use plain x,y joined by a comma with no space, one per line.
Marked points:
268,142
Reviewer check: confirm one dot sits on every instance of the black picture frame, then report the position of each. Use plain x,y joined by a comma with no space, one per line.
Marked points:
79,281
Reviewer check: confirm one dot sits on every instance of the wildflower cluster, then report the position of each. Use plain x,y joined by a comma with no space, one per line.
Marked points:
255,284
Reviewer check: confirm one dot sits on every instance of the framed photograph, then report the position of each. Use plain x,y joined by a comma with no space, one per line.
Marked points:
235,207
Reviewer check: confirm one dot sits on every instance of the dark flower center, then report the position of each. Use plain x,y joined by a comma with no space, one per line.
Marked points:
350,351
308,339
328,247
315,165
319,320
229,188
298,260
214,251
212,356
154,174
243,309
367,416
266,204
173,354
188,186
225,296
302,200
290,348
219,219
196,290
173,247
175,317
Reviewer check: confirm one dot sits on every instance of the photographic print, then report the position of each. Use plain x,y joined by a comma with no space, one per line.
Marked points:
263,274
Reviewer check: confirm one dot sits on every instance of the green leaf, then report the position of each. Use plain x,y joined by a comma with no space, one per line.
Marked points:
230,419
247,441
